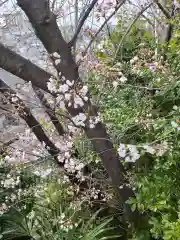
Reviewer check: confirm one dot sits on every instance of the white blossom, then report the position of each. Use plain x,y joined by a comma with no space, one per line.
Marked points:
56,55
67,96
84,90
174,124
78,102
79,120
123,79
52,85
63,88
122,150
69,83
44,173
115,84
57,61
129,152
134,60
72,129
94,120
175,108
14,99
149,149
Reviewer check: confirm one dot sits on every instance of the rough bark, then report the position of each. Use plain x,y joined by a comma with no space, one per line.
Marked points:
26,70
46,29
23,68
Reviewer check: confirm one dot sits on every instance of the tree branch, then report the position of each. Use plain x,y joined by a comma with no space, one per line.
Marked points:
2,3
163,9
103,25
47,30
28,71
25,113
82,21
23,68
8,143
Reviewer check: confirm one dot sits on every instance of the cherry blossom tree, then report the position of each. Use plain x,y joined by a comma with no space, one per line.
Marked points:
64,83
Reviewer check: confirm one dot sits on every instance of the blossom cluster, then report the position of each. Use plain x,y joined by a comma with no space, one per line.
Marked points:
71,164
131,153
105,8
65,223
146,60
10,185
175,125
68,95
56,58
10,182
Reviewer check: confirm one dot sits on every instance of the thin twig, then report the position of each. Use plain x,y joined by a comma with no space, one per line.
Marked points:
83,19
2,3
53,5
6,144
163,9
102,26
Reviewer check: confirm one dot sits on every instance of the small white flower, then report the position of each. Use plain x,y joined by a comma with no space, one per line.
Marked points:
56,55
135,157
67,96
175,108
79,119
85,98
57,61
78,101
136,58
7,158
14,99
67,155
174,124
120,74
132,61
70,83
52,85
149,149
60,101
62,78
84,90
91,125
94,120
115,84
63,88
123,79
60,159
122,150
